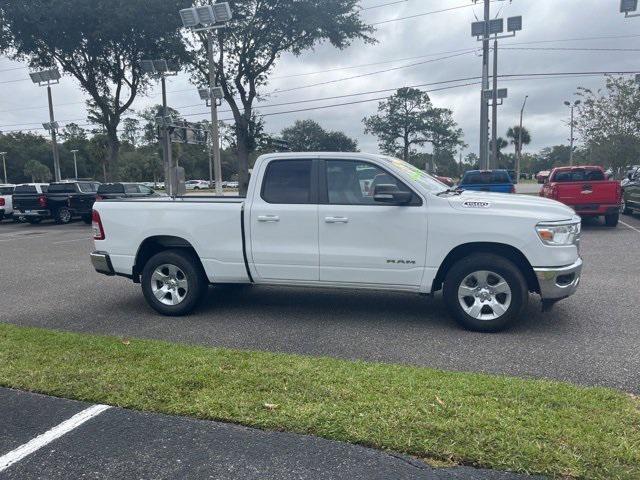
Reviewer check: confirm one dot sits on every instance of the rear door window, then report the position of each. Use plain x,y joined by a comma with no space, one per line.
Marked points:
26,189
130,188
62,188
107,188
88,187
486,178
288,182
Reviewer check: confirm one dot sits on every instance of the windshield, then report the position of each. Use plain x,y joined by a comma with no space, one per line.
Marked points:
418,176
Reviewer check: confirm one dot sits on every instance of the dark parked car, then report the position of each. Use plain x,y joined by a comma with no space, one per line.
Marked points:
108,191
487,181
631,193
62,201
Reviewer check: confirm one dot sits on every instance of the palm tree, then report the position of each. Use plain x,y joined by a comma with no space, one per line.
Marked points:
514,135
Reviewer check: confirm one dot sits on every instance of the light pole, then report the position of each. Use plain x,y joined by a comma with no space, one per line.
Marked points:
214,95
572,106
4,165
47,78
519,159
209,18
160,69
75,162
483,30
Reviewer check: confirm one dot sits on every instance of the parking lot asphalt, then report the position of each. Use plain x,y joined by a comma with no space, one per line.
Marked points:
591,338
117,443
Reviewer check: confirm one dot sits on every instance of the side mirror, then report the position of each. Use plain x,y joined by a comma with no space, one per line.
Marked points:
390,195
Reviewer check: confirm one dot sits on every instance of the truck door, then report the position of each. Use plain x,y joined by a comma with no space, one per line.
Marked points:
284,222
363,241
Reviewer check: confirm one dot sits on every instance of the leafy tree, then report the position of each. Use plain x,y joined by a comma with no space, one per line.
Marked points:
404,121
131,130
37,171
260,33
309,136
513,134
100,43
446,138
609,122
20,148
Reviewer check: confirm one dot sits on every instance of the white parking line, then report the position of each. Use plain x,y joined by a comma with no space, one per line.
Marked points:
56,432
629,226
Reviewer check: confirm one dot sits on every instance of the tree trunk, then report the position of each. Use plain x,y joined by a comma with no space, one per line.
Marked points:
113,154
242,135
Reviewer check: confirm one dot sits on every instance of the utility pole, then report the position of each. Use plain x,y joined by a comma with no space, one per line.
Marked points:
169,181
519,159
75,163
215,132
484,105
4,165
572,106
494,113
50,77
483,30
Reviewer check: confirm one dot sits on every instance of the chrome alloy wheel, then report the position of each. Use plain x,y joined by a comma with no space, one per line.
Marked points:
65,215
623,206
484,295
169,284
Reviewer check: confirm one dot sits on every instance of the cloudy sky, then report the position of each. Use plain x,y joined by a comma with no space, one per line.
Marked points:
559,36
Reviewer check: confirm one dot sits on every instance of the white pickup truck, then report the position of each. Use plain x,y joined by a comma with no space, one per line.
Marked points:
348,221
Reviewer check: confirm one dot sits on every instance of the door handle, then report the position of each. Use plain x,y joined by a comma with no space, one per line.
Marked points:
268,218
336,220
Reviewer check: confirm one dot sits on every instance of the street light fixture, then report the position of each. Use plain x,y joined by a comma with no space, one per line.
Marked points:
162,69
572,106
42,78
628,6
4,165
209,18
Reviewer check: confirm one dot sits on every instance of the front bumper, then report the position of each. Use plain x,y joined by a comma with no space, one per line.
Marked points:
557,283
102,263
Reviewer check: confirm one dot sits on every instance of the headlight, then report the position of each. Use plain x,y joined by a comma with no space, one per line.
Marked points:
559,233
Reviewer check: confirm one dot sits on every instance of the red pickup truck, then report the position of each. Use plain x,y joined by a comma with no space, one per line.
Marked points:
587,191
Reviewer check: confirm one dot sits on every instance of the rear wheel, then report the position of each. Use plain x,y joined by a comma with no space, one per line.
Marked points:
612,220
485,292
173,282
62,216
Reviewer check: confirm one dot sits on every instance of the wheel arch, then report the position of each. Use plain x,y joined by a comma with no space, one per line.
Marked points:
156,244
502,249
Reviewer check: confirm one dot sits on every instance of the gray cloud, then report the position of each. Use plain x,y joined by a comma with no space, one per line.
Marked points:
544,20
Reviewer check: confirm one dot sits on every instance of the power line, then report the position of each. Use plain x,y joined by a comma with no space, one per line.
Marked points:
433,12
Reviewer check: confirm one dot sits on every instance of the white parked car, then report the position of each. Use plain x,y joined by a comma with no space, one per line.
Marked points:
232,184
307,220
6,203
196,185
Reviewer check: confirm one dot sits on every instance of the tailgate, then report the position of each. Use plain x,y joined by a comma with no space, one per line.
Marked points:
24,202
588,193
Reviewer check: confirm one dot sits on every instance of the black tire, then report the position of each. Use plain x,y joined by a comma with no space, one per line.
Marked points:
497,266
88,219
612,220
191,271
62,216
33,220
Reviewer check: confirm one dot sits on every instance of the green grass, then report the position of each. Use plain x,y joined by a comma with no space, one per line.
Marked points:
490,421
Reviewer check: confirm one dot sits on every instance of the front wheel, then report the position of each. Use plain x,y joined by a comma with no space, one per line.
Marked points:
485,292
612,220
173,282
